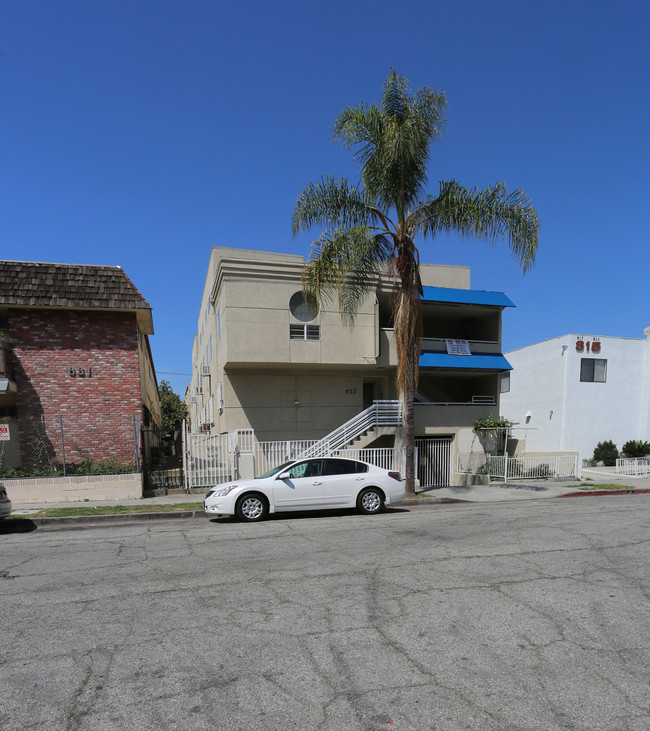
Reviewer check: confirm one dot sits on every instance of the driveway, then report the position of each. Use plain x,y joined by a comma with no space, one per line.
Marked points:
519,615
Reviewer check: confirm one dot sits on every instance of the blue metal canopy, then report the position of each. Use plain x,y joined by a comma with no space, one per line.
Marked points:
488,361
466,296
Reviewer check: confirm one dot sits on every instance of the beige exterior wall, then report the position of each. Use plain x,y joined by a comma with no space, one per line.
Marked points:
148,384
300,405
302,389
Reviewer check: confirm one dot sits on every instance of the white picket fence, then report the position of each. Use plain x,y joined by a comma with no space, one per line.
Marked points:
631,467
519,468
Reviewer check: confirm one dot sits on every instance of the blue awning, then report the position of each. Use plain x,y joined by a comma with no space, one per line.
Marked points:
466,296
488,361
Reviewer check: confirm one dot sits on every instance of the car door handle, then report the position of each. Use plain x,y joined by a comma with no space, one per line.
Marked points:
359,478
318,483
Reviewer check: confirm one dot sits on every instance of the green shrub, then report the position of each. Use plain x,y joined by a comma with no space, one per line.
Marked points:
491,423
87,467
636,448
606,452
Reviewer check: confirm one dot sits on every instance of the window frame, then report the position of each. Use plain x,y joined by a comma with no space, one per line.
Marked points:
588,372
306,331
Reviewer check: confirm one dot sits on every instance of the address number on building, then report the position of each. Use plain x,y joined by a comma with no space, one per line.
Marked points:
80,372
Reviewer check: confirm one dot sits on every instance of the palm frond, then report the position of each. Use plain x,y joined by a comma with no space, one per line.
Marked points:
344,265
330,203
359,126
491,214
395,173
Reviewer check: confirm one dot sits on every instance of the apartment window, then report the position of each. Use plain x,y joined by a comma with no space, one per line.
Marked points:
302,310
505,382
593,370
304,332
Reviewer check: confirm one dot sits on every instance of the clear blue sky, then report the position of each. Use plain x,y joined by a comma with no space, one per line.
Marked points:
143,133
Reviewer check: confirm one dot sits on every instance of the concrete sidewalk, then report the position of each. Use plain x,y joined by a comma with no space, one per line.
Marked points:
494,492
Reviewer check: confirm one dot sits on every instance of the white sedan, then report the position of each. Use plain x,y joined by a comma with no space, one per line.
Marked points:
322,483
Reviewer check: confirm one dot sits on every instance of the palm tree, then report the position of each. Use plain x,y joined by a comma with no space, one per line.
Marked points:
372,227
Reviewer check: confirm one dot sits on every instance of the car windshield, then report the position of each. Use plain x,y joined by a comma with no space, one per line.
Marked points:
274,471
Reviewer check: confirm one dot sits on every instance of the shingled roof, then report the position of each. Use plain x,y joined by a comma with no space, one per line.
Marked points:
33,284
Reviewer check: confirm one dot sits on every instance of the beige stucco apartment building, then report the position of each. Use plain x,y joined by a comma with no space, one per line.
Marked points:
260,361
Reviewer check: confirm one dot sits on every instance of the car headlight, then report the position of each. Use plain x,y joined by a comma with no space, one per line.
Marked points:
223,491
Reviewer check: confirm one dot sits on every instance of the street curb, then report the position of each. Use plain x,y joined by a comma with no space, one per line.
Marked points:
91,521
631,491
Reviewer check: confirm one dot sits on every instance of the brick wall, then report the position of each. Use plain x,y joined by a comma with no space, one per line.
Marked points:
81,367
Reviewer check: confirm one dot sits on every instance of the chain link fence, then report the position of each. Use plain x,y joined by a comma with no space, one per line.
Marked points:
58,447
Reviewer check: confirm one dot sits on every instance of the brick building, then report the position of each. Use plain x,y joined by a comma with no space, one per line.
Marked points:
77,379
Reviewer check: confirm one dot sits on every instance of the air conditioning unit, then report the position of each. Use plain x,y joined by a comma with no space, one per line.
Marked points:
205,370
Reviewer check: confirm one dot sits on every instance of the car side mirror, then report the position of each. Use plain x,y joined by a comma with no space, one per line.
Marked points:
284,475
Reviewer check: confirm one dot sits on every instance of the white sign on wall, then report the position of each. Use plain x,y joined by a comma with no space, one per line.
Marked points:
457,347
4,432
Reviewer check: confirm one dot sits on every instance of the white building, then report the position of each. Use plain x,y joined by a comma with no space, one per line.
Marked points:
571,392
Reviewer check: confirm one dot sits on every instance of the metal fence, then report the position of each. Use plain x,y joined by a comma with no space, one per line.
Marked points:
519,468
212,459
209,459
434,461
633,467
54,446
269,455
388,458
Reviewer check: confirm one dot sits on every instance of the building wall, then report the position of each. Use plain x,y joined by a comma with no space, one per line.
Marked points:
300,405
285,388
97,403
563,413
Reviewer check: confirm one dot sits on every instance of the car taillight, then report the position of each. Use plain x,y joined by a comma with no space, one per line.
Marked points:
395,476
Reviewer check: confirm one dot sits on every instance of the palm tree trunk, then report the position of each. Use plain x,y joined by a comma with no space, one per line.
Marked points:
409,425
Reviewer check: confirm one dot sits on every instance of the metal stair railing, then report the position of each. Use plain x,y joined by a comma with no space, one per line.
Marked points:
381,413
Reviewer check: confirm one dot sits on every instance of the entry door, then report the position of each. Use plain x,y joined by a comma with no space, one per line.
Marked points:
368,393
302,490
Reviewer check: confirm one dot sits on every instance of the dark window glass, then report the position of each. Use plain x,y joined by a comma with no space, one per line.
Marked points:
300,309
593,370
343,467
310,468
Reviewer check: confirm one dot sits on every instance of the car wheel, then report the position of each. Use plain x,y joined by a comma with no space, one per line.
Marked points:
370,501
252,507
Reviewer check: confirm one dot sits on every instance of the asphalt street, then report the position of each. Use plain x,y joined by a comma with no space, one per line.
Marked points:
504,615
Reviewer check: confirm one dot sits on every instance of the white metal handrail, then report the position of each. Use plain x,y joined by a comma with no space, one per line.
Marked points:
381,413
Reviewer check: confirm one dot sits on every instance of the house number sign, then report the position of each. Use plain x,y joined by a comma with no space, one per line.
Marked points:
80,372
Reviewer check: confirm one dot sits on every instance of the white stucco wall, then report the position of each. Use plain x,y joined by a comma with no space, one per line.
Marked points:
567,414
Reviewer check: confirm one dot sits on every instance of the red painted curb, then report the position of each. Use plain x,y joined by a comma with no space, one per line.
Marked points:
633,491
